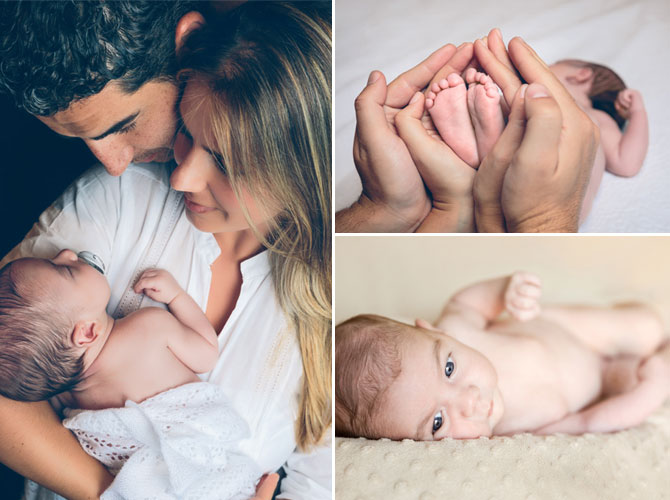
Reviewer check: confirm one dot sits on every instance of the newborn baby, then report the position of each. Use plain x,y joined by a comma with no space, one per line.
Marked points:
470,119
569,369
163,431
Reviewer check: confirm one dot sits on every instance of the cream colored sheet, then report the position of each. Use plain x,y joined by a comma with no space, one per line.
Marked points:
408,277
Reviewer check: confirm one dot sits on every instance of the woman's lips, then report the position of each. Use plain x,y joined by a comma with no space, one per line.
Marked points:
195,207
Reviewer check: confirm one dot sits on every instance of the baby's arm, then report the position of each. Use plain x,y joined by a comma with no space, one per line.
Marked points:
623,410
195,342
624,153
483,302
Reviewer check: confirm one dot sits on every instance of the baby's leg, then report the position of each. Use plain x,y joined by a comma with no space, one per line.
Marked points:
624,329
485,111
447,104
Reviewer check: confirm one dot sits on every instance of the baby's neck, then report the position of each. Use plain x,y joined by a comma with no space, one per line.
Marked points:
92,354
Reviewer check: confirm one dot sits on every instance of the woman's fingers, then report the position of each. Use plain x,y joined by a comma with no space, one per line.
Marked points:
401,90
460,60
266,487
496,45
502,75
369,104
491,174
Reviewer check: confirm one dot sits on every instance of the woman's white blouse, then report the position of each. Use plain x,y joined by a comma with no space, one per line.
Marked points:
134,222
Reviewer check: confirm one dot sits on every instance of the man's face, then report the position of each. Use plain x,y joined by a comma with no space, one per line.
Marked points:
445,389
120,128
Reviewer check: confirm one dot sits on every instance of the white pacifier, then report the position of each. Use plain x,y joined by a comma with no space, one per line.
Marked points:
92,260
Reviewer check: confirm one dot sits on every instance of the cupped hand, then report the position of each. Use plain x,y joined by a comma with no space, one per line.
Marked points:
535,178
394,198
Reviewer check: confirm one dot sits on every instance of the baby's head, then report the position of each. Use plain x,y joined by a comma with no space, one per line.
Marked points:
49,316
600,84
397,381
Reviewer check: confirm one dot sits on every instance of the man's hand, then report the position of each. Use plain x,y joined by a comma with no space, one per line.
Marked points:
535,178
522,296
158,285
394,198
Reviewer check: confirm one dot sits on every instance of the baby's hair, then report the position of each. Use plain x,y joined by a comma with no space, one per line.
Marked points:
605,87
367,361
36,359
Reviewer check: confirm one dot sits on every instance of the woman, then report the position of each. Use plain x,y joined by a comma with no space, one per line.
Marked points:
249,239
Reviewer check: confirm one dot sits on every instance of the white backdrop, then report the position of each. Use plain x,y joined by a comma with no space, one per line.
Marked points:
630,36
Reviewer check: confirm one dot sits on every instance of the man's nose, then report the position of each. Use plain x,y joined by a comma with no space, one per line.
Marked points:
113,152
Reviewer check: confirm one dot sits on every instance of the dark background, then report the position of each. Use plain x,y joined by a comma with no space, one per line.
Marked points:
36,165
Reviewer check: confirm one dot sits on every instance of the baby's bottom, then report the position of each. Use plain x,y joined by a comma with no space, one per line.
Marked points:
469,120
629,329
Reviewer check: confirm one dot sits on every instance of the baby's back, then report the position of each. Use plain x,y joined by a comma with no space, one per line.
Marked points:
136,363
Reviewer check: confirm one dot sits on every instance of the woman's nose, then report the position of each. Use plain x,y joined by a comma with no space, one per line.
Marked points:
191,172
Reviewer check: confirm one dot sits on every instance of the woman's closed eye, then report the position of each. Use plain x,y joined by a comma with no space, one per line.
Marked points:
449,367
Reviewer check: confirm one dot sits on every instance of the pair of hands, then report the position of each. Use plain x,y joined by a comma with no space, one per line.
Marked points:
534,179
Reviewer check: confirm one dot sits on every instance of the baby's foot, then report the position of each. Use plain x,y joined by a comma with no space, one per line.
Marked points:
447,104
485,111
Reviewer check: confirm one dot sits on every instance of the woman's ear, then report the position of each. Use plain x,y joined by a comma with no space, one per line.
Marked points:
189,22
84,333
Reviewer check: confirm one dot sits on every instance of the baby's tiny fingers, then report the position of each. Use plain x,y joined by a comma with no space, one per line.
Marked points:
523,302
530,290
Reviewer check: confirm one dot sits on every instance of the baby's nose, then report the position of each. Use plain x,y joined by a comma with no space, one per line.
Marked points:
469,400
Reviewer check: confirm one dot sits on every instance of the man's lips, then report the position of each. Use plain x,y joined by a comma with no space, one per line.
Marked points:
196,207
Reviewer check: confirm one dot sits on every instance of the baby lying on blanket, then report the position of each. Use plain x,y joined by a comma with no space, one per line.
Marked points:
470,119
568,369
176,436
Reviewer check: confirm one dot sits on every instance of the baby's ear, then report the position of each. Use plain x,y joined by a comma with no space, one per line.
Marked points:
84,333
422,323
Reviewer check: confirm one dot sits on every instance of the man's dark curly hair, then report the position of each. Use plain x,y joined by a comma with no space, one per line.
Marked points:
54,53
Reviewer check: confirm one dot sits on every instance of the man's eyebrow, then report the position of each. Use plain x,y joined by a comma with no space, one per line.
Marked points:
116,127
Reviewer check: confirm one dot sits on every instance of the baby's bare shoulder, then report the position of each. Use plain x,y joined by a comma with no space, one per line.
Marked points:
151,320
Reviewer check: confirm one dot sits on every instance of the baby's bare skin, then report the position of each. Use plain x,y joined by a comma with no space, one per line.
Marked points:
469,120
561,361
570,369
147,352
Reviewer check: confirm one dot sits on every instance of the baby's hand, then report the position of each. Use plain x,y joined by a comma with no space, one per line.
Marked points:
628,102
159,285
522,296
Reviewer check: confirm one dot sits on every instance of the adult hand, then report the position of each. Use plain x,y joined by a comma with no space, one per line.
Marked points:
266,487
535,178
448,178
394,198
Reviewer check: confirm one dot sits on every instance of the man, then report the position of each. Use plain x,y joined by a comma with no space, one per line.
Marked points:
99,71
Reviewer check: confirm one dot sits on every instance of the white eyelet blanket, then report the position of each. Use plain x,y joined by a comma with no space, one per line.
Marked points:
180,444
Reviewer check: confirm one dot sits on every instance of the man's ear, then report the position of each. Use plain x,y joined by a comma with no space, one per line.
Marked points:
189,22
84,333
422,323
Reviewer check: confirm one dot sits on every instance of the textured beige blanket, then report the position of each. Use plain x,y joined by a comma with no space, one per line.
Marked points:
633,464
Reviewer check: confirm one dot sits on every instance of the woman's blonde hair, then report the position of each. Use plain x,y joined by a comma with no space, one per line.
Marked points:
268,66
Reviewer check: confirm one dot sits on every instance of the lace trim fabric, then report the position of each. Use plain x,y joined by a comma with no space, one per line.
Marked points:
179,444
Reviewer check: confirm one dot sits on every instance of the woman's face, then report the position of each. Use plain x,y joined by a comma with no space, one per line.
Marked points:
211,204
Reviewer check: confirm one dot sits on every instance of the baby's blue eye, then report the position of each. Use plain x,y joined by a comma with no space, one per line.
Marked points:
437,422
450,367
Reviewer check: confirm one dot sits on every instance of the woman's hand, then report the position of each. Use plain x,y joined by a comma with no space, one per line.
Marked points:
535,178
266,487
394,198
